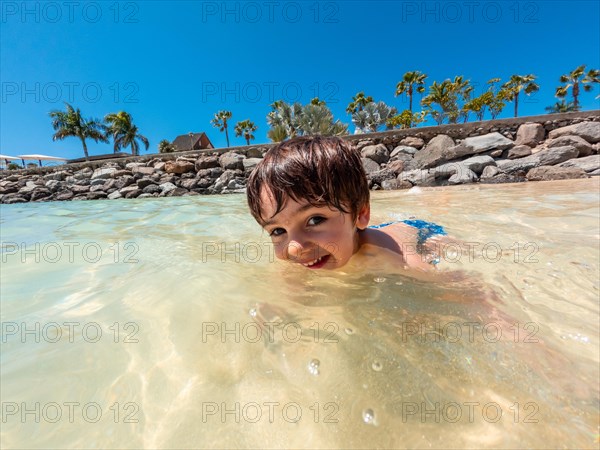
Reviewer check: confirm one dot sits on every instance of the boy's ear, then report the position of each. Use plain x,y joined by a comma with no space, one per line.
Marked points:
364,215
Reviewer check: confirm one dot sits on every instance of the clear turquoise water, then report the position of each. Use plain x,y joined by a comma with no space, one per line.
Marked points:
206,342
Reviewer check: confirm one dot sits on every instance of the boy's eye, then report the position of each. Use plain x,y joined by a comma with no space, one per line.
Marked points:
277,232
316,220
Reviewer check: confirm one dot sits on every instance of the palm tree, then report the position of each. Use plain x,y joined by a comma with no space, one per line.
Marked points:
572,81
278,133
165,146
220,122
406,119
442,94
373,116
285,115
245,128
69,123
124,133
359,101
411,82
317,101
318,120
517,83
561,107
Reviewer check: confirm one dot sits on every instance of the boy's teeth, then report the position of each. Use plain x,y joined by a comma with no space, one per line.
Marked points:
312,263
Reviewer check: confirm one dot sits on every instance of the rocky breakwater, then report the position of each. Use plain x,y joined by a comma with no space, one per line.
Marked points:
208,174
533,153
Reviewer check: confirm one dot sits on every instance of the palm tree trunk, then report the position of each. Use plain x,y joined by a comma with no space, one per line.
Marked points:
227,135
410,94
575,95
516,103
85,150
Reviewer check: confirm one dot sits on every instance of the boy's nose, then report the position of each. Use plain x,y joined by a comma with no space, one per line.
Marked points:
294,249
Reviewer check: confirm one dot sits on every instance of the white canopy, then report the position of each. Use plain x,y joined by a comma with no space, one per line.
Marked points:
10,158
41,157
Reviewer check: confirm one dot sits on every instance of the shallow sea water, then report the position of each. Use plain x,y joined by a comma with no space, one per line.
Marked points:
166,324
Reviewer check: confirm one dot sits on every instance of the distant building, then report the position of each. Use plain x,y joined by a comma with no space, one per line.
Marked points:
192,141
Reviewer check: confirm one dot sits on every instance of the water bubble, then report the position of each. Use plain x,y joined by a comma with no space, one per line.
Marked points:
379,279
349,331
253,312
313,367
376,366
399,283
368,417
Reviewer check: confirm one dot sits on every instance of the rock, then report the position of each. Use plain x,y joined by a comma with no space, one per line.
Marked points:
489,172
160,165
142,183
231,161
463,177
434,152
124,181
179,167
64,195
224,180
254,152
517,177
97,188
519,151
250,164
189,184
9,188
29,187
378,153
396,166
207,162
114,195
103,173
590,131
9,199
142,170
588,163
412,141
145,195
477,163
403,149
96,195
130,191
40,194
177,192
418,177
545,173
479,144
122,173
152,189
448,169
530,134
98,182
555,155
381,175
584,147
369,165
596,147
521,164
388,185
53,185
364,143
57,176
167,187
77,189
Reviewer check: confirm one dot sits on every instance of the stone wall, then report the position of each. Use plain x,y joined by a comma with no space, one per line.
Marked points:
508,150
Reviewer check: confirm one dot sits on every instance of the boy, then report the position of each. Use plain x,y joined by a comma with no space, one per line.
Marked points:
312,196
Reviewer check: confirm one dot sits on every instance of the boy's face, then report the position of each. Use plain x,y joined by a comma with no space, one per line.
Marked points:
316,237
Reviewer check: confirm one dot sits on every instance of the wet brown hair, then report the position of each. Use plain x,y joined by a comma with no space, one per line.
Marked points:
325,171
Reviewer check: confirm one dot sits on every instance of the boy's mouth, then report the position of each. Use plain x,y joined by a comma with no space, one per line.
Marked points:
317,263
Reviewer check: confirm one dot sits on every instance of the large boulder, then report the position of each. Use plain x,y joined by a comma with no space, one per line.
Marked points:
103,173
584,147
404,149
167,187
555,155
530,134
519,151
378,153
434,152
413,141
369,165
418,177
477,163
179,167
231,161
479,144
463,177
546,173
381,175
588,163
590,131
207,162
142,170
250,164
516,165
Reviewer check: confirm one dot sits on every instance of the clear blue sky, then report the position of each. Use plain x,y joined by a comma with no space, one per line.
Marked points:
172,65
